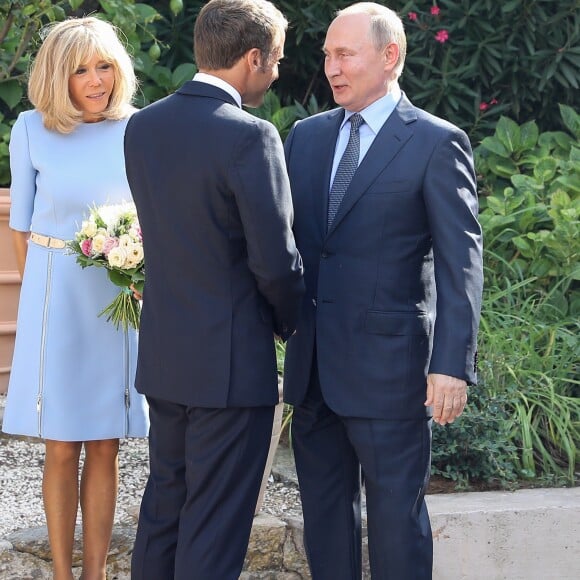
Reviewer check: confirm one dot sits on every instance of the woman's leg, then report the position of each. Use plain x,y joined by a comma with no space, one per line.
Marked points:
99,484
61,496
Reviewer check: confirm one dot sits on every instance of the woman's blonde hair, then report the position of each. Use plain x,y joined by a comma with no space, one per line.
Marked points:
67,45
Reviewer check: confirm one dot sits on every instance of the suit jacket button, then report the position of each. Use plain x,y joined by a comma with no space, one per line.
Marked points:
324,254
314,301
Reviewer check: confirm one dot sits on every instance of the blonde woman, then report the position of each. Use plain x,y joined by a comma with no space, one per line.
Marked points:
72,375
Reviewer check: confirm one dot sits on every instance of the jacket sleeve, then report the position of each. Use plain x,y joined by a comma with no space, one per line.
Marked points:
262,190
452,207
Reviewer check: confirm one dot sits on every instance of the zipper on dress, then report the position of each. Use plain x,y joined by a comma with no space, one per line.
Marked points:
40,394
127,375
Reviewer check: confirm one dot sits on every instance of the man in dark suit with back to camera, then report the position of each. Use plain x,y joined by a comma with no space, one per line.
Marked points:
386,222
223,277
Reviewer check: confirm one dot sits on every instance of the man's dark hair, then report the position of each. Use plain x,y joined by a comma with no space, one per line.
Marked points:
226,29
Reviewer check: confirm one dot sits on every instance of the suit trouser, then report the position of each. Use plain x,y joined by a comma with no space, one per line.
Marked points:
206,466
330,451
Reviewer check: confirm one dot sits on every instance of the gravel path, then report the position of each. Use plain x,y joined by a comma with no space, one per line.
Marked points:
21,461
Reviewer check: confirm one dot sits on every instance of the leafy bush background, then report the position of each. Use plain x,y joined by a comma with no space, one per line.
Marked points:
508,73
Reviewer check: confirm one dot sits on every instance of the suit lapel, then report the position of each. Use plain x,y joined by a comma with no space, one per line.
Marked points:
393,135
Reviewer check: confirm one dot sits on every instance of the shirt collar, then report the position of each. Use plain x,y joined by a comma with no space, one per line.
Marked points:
376,114
220,84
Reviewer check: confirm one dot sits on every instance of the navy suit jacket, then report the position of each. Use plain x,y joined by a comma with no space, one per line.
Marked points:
393,289
222,270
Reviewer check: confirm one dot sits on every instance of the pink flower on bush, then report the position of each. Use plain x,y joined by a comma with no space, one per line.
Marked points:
109,244
412,16
493,102
483,106
435,10
87,247
442,36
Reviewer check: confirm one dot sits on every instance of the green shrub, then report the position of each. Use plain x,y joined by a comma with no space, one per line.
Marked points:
529,355
531,203
530,318
477,446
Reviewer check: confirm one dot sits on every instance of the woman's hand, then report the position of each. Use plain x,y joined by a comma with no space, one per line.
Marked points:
136,294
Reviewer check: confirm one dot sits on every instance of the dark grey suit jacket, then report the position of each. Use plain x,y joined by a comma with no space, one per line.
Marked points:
222,270
393,290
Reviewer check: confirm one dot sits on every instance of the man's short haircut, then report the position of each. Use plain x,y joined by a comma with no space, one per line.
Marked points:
225,30
386,27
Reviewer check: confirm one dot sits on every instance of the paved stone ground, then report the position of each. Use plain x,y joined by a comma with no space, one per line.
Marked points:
275,552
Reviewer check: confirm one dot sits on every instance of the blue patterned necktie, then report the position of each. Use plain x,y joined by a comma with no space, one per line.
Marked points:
346,168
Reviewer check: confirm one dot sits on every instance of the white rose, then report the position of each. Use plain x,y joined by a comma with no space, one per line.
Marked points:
134,233
117,257
98,243
125,241
89,228
135,253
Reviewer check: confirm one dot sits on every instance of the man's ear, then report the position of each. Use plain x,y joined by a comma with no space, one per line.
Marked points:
254,59
391,53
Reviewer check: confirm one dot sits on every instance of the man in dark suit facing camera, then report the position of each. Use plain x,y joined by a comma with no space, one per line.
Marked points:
223,277
386,222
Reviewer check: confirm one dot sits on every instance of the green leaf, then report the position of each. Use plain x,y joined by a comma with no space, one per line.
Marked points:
546,169
529,135
526,183
540,268
11,93
502,167
569,182
508,132
184,72
523,246
495,146
119,278
496,205
511,6
571,120
146,13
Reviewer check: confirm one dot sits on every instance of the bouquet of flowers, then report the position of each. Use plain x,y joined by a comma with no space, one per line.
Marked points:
111,238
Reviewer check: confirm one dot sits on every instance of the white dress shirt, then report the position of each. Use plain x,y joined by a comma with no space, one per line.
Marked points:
220,84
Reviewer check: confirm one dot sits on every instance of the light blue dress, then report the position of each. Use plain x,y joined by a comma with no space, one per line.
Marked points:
73,373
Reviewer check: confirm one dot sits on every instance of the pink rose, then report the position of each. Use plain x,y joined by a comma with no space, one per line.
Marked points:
87,247
109,244
412,16
435,10
483,106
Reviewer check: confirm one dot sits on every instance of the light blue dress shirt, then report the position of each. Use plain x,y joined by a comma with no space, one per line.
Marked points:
375,116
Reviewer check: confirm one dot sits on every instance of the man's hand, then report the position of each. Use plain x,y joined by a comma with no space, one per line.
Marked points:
447,395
